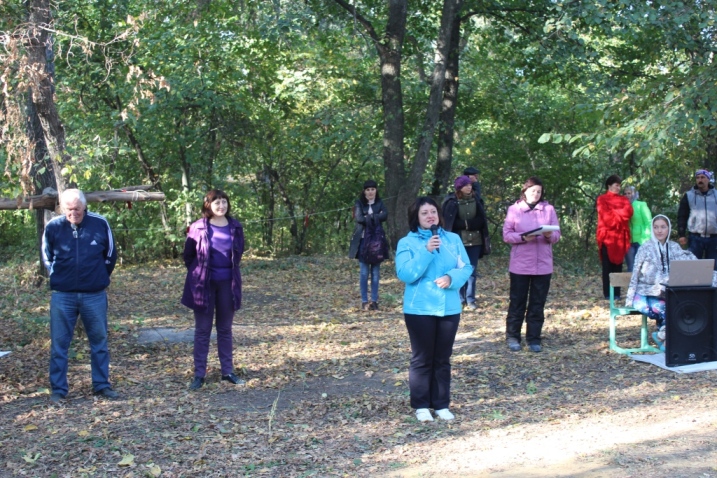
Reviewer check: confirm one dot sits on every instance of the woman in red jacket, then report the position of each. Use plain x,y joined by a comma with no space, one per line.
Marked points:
613,231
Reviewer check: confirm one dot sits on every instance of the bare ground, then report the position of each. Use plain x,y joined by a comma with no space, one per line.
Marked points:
327,391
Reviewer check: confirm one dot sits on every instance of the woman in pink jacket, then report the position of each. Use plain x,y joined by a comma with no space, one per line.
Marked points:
531,263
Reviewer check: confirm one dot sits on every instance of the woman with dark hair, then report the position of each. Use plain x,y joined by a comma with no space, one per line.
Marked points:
613,231
531,263
463,214
369,213
434,266
212,254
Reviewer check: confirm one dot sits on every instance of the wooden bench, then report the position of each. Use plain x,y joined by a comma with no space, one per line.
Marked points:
622,280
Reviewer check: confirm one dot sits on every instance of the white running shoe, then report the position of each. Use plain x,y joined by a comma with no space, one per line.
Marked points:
445,414
424,415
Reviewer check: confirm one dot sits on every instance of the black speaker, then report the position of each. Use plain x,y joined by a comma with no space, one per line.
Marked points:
690,325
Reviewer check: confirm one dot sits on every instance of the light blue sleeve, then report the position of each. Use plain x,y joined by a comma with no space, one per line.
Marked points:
411,262
459,276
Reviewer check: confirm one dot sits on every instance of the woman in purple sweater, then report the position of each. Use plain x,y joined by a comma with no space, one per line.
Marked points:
212,254
531,263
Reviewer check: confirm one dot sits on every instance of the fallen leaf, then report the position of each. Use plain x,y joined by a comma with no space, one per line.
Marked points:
31,458
29,428
154,470
127,460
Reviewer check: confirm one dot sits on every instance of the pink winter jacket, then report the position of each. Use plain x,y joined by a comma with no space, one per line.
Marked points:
534,257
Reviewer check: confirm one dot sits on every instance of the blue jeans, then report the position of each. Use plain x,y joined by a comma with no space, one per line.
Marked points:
703,247
630,256
65,307
374,270
468,291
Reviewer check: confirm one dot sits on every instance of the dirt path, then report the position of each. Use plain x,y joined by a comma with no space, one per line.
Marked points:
654,443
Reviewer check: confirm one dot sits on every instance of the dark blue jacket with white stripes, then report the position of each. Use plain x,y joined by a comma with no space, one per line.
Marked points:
79,259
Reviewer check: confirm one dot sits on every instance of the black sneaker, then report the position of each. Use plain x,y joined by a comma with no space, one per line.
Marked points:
107,393
233,379
373,306
196,383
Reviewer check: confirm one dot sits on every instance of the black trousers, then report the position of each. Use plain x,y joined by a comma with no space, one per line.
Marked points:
529,293
429,377
607,268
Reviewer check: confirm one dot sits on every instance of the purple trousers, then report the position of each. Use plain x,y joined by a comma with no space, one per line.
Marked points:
221,300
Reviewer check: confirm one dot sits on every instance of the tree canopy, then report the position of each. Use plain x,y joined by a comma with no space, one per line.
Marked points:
291,106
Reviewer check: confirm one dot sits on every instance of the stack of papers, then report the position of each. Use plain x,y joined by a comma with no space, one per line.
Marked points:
542,229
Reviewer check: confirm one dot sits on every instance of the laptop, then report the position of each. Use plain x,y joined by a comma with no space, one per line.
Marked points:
696,273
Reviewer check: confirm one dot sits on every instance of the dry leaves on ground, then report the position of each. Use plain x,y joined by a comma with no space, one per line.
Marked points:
327,387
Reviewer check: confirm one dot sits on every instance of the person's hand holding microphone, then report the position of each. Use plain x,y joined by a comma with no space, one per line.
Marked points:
434,243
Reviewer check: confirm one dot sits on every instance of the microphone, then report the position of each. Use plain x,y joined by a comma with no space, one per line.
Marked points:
434,231
74,230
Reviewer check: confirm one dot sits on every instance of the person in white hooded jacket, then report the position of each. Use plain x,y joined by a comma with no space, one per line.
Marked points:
646,291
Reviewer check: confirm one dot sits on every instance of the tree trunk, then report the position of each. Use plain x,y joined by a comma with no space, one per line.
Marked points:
268,201
152,176
48,199
711,150
402,186
41,173
44,129
186,185
442,175
393,121
409,189
42,90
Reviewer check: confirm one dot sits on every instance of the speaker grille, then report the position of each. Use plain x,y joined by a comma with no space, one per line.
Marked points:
690,317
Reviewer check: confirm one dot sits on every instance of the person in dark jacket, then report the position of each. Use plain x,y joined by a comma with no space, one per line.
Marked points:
212,254
79,253
464,215
472,174
697,218
369,211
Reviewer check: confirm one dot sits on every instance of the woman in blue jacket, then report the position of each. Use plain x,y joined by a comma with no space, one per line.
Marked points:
434,268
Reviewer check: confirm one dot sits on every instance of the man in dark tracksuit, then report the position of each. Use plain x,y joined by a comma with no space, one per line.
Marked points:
79,253
697,215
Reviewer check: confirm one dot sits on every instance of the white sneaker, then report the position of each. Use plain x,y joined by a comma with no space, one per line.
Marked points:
445,414
424,415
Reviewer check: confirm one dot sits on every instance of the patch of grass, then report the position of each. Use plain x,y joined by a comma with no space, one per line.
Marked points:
496,415
390,299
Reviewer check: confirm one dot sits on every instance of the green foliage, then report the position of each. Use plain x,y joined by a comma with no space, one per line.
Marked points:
278,103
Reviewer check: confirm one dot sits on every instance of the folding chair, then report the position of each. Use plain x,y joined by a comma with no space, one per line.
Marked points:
622,279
